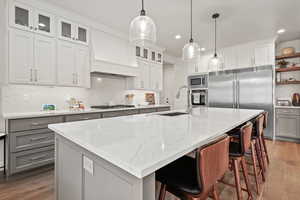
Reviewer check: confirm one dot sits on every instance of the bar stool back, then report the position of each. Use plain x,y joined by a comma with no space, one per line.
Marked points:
189,178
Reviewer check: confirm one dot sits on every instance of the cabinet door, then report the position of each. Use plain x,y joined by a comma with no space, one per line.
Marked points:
288,126
44,23
229,57
21,16
245,56
144,75
21,56
82,66
82,34
66,30
264,55
45,65
156,77
66,63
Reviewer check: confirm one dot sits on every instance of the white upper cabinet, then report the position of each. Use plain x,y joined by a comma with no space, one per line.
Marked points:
82,69
21,16
45,60
44,23
31,58
264,54
30,19
74,32
73,65
245,55
229,55
66,74
156,77
21,57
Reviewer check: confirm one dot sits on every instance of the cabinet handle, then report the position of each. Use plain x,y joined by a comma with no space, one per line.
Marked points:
85,118
38,124
31,77
36,75
38,157
31,27
39,138
73,75
35,29
76,78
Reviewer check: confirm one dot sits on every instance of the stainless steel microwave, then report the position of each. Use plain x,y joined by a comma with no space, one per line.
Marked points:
198,81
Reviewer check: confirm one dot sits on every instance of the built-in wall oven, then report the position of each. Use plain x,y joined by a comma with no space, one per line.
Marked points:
199,92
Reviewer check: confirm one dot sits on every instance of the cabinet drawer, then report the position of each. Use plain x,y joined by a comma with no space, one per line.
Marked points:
129,112
147,110
81,117
288,111
25,140
112,114
163,109
31,159
33,123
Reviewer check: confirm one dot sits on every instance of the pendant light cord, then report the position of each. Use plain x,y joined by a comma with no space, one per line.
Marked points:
215,37
191,40
143,12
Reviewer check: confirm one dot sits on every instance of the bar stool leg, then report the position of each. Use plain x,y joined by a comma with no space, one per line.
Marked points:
253,152
246,176
263,152
266,149
237,178
162,193
259,158
215,193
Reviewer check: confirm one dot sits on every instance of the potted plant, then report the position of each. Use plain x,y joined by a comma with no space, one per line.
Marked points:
282,64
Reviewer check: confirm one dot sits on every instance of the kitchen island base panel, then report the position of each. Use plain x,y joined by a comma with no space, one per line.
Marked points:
100,180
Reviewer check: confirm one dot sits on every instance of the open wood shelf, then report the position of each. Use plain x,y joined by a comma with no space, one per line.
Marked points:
288,82
288,69
295,55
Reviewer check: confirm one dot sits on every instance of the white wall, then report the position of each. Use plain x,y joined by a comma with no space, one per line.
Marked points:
169,91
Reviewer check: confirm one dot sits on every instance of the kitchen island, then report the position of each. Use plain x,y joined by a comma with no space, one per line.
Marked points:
117,158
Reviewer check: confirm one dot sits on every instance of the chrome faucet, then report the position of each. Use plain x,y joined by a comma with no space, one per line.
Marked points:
189,105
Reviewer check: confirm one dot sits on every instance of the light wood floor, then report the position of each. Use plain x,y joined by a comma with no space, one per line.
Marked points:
283,179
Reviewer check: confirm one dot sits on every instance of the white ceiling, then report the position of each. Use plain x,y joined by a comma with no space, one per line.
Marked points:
241,20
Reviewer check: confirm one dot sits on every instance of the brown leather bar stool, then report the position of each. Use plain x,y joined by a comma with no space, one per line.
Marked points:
266,114
189,178
237,152
256,150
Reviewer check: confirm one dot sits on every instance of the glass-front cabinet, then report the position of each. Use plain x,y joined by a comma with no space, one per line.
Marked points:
21,16
73,32
44,23
27,18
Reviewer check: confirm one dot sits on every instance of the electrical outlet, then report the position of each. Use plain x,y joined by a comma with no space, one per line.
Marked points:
88,165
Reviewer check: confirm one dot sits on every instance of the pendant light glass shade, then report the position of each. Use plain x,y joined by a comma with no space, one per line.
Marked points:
191,51
216,63
142,29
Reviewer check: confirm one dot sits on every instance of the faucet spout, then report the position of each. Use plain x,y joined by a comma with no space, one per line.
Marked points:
189,106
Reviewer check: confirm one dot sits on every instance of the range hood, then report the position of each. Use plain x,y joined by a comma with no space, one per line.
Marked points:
112,54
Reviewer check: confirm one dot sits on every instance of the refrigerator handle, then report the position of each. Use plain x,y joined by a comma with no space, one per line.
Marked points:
238,94
234,94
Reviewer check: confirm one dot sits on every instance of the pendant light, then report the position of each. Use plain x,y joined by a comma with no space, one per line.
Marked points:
142,29
191,51
215,63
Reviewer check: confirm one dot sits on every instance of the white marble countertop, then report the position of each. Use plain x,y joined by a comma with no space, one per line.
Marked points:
68,112
142,144
289,107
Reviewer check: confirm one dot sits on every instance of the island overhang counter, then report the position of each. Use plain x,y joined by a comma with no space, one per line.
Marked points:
117,158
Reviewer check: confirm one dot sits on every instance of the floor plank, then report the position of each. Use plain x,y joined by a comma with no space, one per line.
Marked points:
283,179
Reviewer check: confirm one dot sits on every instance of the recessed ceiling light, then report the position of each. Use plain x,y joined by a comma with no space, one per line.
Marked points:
202,49
177,37
281,31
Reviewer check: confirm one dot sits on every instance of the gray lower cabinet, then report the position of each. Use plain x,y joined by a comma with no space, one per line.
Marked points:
81,117
288,123
30,159
31,143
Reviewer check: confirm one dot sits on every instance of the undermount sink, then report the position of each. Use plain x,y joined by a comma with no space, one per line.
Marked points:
173,114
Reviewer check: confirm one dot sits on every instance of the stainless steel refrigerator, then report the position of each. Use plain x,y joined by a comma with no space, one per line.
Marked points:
250,88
